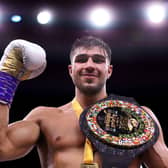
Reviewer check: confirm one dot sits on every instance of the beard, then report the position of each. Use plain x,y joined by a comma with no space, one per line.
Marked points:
88,87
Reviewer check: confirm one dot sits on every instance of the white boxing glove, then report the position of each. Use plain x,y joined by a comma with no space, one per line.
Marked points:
21,60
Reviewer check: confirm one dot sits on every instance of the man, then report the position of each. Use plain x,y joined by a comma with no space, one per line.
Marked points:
55,131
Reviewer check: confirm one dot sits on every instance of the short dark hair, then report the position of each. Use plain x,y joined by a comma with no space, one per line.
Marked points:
90,41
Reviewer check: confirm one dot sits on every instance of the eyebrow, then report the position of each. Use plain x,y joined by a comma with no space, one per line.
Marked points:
90,55
97,58
105,56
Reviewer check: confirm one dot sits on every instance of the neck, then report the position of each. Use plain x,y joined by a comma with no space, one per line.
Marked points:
87,100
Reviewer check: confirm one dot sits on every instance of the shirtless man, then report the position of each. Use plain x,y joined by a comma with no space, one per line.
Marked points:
55,131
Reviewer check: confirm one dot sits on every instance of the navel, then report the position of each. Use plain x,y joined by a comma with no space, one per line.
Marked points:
58,138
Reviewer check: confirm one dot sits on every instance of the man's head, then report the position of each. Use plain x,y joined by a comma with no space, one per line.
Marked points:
90,65
88,42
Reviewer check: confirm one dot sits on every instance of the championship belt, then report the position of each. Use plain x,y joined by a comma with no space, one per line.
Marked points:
119,129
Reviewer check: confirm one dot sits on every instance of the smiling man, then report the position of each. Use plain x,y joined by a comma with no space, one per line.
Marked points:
56,131
90,68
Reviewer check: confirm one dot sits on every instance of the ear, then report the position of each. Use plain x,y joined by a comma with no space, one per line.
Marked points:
110,71
70,69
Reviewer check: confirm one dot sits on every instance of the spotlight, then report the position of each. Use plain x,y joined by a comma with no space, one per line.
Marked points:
16,18
156,13
100,17
44,17
1,15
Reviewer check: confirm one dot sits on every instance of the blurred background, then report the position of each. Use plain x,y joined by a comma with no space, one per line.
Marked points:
137,32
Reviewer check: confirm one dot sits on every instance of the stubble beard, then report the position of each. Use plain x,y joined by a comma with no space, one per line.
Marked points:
88,89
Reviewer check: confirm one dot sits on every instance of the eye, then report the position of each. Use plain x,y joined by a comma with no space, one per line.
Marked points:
81,58
99,59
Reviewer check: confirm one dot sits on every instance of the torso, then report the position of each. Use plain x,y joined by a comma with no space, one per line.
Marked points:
61,143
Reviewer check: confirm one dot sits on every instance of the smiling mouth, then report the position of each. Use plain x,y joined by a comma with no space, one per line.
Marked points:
89,75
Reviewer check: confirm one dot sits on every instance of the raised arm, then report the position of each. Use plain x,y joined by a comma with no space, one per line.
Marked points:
157,155
21,60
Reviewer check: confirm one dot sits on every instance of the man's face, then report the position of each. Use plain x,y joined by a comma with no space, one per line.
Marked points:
90,69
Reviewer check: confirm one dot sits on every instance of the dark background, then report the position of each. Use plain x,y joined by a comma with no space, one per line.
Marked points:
139,57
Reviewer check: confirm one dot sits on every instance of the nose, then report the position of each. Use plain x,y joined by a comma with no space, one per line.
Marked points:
90,62
90,65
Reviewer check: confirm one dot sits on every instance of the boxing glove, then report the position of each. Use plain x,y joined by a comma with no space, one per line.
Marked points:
21,60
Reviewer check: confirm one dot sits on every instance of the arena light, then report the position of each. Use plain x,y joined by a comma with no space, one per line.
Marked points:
156,13
100,17
44,17
16,18
1,15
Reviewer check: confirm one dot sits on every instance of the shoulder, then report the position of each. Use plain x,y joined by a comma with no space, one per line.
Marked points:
156,155
41,111
160,141
44,111
65,108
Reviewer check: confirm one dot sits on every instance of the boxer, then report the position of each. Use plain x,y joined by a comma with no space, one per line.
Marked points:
60,140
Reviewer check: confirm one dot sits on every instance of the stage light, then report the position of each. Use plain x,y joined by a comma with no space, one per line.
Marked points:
44,17
100,17
156,13
16,18
1,15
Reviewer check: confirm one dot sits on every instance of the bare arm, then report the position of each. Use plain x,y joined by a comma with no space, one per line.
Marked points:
157,155
18,138
21,60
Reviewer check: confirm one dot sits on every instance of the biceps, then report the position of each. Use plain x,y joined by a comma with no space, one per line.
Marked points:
21,137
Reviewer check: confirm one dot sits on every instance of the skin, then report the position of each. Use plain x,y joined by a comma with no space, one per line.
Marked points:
55,131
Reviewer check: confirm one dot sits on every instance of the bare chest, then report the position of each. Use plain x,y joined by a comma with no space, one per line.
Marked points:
62,131
61,143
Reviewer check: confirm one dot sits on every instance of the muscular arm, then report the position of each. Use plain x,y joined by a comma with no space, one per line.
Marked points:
21,60
157,155
18,138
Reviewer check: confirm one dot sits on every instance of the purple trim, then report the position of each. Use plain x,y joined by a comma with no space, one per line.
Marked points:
8,85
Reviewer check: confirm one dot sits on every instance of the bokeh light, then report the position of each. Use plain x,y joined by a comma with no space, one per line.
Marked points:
44,17
100,17
16,18
156,13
